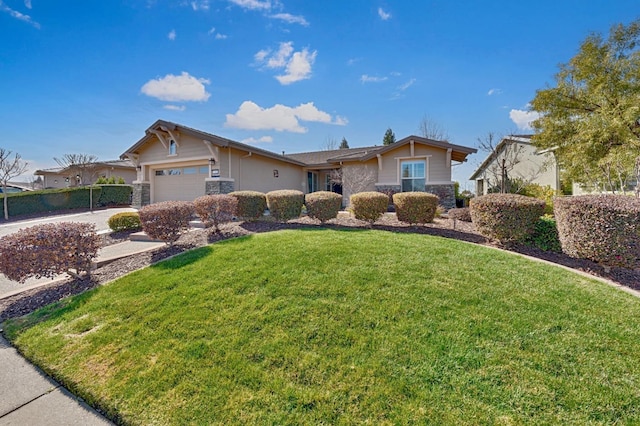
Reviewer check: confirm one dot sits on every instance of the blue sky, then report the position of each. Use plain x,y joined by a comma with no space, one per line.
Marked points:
91,76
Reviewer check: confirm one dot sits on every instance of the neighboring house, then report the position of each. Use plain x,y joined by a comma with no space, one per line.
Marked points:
176,162
66,177
519,159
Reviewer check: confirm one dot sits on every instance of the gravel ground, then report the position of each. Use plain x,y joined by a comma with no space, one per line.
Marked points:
30,300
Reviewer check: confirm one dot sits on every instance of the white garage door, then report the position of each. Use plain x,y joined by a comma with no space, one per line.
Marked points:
179,184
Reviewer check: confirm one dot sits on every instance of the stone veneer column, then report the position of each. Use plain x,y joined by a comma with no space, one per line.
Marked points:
219,186
141,194
446,193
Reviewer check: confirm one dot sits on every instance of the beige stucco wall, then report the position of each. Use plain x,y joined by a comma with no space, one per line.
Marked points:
436,160
535,168
257,173
58,180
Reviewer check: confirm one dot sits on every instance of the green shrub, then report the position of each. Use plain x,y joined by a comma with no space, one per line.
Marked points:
113,180
47,200
285,204
48,250
368,205
167,220
506,217
602,228
545,193
461,213
251,204
125,221
415,207
323,205
115,195
545,235
215,209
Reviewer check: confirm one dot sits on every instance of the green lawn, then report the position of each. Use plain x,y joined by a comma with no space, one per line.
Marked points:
345,327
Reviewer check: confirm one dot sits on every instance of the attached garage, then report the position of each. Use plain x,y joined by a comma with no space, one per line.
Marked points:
179,183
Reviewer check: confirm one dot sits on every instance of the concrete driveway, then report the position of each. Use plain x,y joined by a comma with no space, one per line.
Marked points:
98,217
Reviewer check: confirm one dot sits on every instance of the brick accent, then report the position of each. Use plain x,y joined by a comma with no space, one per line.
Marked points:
141,194
219,186
446,193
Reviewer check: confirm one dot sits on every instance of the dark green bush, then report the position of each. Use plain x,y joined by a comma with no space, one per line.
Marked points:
285,204
251,204
125,221
506,217
368,205
460,213
323,205
415,207
115,195
545,235
47,200
602,228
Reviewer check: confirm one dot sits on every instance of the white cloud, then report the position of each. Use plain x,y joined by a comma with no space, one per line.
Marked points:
18,15
492,92
522,118
200,4
372,79
291,19
172,35
406,85
251,116
175,107
383,15
221,36
27,4
263,139
297,65
177,88
252,4
353,61
211,31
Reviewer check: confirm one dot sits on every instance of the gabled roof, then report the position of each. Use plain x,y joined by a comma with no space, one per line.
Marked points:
318,158
123,164
458,152
217,140
521,139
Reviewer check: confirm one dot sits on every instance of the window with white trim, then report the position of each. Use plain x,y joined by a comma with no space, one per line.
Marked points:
412,175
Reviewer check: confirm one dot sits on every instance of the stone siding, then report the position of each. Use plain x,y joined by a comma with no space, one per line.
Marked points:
446,193
219,186
141,194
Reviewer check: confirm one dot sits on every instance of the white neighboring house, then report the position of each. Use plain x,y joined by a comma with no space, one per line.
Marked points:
520,159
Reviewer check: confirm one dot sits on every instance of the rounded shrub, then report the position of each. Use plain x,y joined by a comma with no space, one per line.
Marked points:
323,205
602,228
285,204
506,217
251,204
415,207
167,220
216,209
460,213
125,221
369,205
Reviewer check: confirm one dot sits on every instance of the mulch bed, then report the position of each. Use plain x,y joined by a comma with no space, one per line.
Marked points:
33,299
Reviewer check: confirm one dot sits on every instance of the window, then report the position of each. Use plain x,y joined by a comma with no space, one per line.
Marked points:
172,147
412,174
312,181
203,170
160,172
190,170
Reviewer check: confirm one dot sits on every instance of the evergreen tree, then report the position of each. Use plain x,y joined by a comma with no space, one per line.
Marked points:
344,144
389,137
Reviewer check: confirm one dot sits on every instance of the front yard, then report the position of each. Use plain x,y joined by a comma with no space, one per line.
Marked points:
343,327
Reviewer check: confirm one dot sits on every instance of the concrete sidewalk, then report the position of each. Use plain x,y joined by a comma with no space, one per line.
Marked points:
27,395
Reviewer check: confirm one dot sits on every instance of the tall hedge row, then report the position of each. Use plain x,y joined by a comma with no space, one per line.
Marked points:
285,204
602,228
506,217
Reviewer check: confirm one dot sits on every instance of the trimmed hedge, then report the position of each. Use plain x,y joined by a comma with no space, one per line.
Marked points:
48,250
369,205
323,205
47,200
215,209
506,217
167,220
125,221
545,235
415,207
460,213
115,195
602,228
251,204
285,204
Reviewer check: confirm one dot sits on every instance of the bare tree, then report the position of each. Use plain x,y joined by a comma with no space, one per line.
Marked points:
356,179
81,168
504,157
9,168
330,144
432,130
